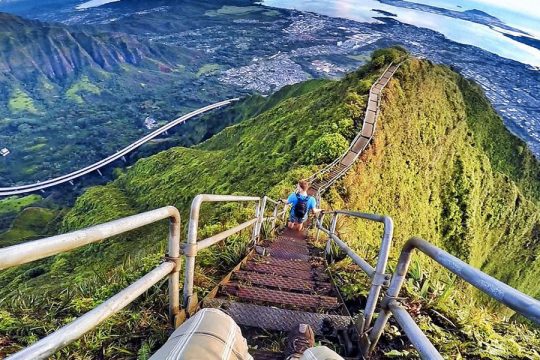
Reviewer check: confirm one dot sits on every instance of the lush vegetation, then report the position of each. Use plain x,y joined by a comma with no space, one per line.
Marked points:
62,87
434,167
15,204
446,169
272,145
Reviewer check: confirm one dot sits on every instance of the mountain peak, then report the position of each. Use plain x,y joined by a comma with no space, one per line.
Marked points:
481,13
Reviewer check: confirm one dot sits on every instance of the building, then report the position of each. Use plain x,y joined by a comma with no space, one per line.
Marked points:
4,152
150,123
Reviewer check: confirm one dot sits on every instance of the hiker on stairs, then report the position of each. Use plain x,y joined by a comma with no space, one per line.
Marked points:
213,335
302,204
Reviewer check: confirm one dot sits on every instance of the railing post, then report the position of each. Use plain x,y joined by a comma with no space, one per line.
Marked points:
174,277
319,226
259,215
190,251
379,277
274,216
332,229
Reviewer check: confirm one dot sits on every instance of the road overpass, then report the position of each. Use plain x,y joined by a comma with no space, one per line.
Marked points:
40,185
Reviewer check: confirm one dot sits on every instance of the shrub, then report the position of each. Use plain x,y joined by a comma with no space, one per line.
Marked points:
327,148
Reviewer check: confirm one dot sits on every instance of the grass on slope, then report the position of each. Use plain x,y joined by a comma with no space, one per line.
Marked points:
15,204
432,167
29,224
75,91
446,169
20,102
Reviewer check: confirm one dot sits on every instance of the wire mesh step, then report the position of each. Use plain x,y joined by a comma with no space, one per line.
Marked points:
283,283
287,254
270,318
313,274
291,264
283,298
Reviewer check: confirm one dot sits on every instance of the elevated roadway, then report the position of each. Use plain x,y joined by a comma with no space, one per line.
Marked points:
22,189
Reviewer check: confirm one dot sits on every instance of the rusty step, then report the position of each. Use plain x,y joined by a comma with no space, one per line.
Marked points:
276,270
287,254
273,319
283,283
267,296
292,264
288,243
316,273
291,248
289,238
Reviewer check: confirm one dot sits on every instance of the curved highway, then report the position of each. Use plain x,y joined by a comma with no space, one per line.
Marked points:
96,166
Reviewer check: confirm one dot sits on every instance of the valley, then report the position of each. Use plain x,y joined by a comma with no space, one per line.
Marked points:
181,56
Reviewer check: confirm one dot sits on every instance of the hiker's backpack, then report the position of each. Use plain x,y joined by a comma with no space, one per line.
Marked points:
300,209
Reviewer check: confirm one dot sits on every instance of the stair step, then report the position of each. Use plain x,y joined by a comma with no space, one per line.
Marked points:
290,248
283,283
291,264
290,238
301,301
287,254
267,355
284,241
274,319
277,270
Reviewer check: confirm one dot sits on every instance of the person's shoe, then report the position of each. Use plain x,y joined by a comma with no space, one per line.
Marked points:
300,339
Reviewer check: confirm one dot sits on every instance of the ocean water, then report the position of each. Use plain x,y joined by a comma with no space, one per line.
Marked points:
461,31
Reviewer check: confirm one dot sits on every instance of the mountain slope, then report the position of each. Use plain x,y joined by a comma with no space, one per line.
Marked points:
29,48
442,165
73,95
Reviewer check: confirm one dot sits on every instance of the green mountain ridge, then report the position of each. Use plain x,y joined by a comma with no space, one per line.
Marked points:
94,88
29,48
442,165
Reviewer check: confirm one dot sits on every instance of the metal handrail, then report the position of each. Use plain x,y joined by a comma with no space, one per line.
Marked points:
503,293
377,274
192,246
39,249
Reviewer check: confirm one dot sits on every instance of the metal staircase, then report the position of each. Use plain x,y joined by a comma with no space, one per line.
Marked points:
281,282
326,177
283,286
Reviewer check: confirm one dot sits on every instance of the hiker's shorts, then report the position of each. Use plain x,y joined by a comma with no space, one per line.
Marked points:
213,335
294,219
209,334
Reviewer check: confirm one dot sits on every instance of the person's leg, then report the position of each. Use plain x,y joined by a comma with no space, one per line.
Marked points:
301,223
320,353
210,334
293,222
